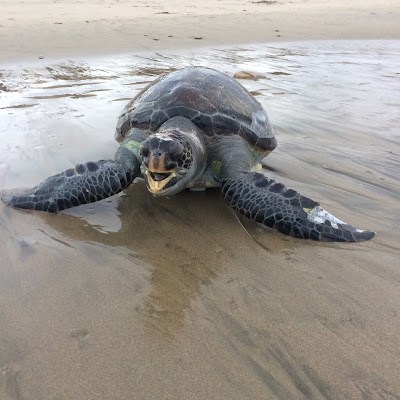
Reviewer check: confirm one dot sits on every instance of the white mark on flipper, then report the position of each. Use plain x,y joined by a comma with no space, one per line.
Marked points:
319,216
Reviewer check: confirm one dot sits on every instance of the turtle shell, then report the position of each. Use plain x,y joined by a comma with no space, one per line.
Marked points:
215,102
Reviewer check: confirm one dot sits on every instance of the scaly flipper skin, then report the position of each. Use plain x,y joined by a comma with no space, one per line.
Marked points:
272,204
85,183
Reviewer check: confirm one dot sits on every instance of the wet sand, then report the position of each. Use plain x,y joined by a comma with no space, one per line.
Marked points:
138,297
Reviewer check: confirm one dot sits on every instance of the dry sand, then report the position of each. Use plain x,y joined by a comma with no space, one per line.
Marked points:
146,298
48,28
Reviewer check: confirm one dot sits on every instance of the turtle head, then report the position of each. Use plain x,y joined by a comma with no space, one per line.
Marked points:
170,160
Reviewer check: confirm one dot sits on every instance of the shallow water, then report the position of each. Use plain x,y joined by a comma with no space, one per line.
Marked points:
180,297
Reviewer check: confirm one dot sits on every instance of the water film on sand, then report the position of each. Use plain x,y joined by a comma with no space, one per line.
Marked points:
179,297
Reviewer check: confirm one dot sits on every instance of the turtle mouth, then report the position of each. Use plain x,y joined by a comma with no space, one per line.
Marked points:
158,182
158,177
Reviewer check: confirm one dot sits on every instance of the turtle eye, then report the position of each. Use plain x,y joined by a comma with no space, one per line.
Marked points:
144,151
176,149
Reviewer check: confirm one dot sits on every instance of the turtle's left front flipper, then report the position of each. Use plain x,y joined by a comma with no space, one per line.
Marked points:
272,204
85,183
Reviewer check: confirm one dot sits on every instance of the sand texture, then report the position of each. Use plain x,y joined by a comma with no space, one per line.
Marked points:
138,297
54,28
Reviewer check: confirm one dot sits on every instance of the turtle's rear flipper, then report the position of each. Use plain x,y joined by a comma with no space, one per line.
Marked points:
85,183
272,204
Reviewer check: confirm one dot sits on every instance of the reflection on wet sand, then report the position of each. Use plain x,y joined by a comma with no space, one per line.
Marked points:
177,237
180,297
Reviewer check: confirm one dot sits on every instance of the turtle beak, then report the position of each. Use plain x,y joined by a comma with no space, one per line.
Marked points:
158,182
163,165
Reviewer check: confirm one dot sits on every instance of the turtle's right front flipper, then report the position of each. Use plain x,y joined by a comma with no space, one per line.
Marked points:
85,183
274,205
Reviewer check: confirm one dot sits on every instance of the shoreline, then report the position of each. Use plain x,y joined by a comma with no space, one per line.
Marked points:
68,29
33,62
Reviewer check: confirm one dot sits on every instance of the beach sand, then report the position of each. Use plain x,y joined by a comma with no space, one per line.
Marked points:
79,28
138,297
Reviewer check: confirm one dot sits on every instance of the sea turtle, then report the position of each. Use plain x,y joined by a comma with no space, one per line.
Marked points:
193,128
